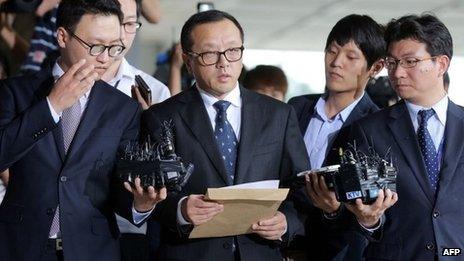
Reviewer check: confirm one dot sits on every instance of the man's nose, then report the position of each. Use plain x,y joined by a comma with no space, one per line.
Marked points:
104,56
222,61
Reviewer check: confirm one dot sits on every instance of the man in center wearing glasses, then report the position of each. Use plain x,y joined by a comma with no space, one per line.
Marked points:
232,136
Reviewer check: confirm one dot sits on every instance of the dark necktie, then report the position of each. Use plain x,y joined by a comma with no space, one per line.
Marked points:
429,152
225,139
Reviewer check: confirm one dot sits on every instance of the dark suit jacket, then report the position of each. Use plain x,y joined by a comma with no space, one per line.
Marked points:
270,147
304,108
43,176
420,224
327,240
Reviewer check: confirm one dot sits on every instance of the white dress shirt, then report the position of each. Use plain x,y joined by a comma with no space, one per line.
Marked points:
234,116
435,124
322,131
2,190
125,78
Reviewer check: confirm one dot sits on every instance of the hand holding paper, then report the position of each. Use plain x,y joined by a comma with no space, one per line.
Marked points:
198,211
271,228
243,206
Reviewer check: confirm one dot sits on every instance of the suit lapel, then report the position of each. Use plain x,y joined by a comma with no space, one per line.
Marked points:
363,108
251,120
196,118
403,131
58,137
90,117
306,114
453,149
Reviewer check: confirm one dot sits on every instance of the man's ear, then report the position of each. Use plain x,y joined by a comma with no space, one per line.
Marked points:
443,62
187,60
376,68
62,37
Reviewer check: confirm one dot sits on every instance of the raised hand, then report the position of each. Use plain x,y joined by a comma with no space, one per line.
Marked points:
74,83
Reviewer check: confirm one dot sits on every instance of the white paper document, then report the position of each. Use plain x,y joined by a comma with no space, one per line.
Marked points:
265,184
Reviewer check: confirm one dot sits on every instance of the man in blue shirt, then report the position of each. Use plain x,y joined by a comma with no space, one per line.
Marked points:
354,54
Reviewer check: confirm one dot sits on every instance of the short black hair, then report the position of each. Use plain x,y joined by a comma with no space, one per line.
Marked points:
427,29
446,79
203,18
265,76
366,33
139,7
70,12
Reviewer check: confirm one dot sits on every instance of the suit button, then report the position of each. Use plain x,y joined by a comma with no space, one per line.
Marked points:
63,178
430,246
226,245
50,211
436,214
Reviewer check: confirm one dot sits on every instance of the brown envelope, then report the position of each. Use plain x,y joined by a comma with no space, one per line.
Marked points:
242,208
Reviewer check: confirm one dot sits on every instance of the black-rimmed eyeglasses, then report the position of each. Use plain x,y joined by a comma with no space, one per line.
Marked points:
97,49
211,58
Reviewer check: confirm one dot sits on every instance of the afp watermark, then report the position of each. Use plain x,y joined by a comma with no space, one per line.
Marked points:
451,251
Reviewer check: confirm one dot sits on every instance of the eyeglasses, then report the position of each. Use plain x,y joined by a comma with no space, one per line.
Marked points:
409,62
211,58
97,49
131,27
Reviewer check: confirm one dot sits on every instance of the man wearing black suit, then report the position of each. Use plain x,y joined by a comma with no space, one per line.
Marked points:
232,136
60,131
354,54
423,134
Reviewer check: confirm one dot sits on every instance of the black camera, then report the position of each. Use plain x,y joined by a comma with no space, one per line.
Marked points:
20,6
359,176
156,164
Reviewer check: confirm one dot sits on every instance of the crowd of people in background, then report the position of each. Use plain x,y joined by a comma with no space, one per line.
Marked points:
69,103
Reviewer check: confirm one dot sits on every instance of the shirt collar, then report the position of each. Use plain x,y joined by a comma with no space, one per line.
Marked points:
342,115
440,109
125,70
233,97
57,72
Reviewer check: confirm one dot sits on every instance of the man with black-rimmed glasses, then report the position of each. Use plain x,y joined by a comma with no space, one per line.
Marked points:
60,132
232,136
